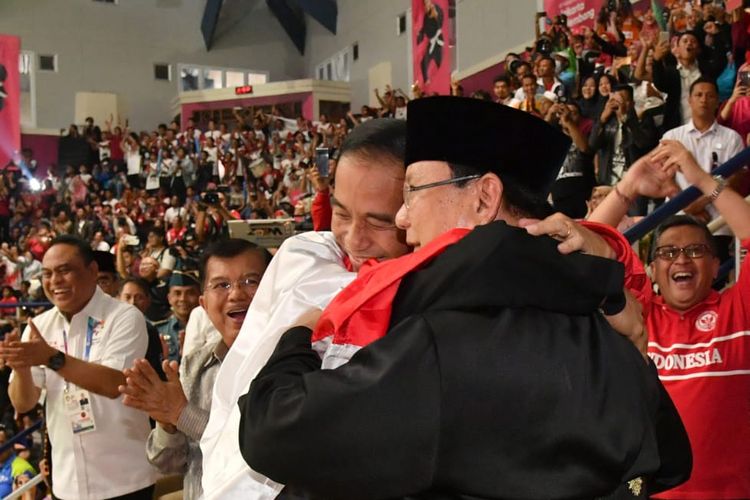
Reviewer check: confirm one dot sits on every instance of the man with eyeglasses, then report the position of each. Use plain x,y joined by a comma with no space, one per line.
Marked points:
478,366
230,273
699,339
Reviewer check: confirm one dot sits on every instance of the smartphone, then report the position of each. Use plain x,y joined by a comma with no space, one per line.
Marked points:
663,36
321,161
745,78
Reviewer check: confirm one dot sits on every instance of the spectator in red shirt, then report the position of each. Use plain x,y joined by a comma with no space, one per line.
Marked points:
698,338
8,297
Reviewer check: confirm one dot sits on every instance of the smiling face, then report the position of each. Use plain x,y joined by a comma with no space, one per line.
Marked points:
684,282
68,281
454,204
227,308
367,196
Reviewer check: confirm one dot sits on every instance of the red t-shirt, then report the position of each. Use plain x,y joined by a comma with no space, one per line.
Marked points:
703,360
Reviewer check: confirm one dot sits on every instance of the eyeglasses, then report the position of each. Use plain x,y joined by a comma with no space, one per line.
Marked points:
248,284
453,180
671,252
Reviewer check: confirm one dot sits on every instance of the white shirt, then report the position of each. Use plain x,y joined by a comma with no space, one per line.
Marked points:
304,275
173,212
687,77
133,159
710,148
111,460
199,331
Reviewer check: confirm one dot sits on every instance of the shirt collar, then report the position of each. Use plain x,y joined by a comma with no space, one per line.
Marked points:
692,68
93,307
711,129
217,355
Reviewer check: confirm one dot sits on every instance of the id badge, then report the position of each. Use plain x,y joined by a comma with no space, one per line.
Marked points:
79,411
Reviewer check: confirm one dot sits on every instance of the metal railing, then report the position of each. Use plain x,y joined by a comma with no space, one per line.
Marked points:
683,199
5,446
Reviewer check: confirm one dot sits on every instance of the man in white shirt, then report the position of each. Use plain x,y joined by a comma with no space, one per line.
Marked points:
711,145
76,351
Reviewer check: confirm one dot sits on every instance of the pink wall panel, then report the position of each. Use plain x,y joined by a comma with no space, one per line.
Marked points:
45,150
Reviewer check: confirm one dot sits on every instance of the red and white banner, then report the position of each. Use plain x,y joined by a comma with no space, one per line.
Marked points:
431,45
10,102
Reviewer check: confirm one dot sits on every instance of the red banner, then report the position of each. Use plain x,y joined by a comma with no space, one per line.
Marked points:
431,45
10,102
583,12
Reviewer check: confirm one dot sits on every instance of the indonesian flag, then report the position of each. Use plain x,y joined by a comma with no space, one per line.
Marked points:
360,314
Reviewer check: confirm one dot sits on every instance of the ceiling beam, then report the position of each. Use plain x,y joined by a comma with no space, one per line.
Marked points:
210,20
323,11
292,20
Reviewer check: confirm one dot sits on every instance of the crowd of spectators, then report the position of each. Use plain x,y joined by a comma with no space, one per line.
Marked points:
149,201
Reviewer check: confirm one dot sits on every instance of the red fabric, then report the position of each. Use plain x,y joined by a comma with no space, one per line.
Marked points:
8,311
703,358
10,112
115,149
360,314
321,211
636,279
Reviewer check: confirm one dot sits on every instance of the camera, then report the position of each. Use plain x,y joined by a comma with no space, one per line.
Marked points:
211,198
544,46
562,20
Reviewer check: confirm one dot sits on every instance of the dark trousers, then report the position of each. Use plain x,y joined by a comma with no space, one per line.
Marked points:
144,494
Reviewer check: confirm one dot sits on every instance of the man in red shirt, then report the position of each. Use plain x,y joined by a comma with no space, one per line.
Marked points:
699,339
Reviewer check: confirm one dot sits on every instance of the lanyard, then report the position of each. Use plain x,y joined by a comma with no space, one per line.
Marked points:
92,323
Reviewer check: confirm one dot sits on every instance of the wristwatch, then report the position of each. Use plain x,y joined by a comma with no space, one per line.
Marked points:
720,185
56,361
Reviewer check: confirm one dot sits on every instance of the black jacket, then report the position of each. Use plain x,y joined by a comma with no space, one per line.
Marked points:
499,378
638,137
711,63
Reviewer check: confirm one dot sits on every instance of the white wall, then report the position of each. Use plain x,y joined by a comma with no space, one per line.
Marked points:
485,28
112,48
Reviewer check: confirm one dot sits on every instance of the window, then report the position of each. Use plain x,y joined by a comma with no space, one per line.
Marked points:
257,78
212,79
337,68
48,62
194,77
189,79
28,95
235,79
355,51
401,24
162,72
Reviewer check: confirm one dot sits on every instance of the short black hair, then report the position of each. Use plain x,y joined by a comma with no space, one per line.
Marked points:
227,248
519,199
501,78
624,87
704,79
158,231
139,282
83,247
384,136
678,221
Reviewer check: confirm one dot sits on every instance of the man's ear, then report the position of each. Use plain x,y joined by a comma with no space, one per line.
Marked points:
489,197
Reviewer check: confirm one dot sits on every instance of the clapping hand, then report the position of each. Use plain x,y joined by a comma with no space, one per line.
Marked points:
145,391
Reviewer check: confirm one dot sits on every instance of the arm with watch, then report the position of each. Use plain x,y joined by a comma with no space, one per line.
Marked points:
34,351
653,176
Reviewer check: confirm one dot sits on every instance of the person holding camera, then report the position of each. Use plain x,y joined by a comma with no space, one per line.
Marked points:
735,112
211,216
619,138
